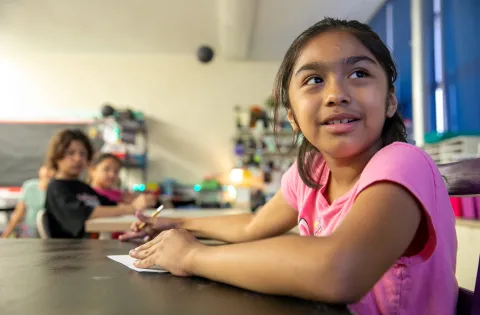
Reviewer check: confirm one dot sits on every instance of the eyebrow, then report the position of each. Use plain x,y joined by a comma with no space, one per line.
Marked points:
348,61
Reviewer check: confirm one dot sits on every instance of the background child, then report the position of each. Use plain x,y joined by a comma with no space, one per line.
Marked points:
377,228
104,178
70,202
31,201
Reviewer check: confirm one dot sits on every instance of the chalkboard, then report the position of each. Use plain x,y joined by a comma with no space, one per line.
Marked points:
23,147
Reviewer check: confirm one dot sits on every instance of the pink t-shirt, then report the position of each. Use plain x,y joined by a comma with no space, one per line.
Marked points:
112,194
420,284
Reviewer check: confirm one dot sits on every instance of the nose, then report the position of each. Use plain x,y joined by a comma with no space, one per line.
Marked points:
336,93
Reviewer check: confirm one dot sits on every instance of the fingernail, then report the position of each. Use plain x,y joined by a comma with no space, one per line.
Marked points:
132,251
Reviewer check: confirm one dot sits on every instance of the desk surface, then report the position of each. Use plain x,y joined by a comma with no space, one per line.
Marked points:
75,277
115,224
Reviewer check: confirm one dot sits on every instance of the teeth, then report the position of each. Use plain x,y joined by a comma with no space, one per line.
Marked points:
340,121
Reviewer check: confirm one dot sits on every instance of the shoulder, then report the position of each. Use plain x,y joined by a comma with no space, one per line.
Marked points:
403,158
405,165
29,183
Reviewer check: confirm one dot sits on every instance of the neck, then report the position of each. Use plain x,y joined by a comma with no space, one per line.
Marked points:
346,171
61,175
97,185
43,183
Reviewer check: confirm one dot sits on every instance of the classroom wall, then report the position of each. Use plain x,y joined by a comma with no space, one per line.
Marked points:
189,105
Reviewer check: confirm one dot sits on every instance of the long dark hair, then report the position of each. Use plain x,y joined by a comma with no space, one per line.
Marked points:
394,127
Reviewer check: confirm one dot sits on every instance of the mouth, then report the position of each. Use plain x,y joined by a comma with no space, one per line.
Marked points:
340,121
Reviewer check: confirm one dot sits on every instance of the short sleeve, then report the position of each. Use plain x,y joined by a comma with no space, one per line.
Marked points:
25,188
289,186
409,167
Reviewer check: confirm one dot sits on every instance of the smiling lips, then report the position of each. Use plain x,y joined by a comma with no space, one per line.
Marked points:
340,123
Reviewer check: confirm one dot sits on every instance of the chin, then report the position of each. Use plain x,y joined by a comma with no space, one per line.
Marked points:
345,148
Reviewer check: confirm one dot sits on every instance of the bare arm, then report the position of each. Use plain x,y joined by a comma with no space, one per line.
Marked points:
111,211
274,218
16,217
340,268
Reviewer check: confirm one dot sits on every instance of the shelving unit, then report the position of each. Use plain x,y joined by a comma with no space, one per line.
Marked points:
260,151
125,136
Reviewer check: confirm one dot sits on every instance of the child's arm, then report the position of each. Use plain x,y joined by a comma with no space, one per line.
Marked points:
275,218
16,217
339,268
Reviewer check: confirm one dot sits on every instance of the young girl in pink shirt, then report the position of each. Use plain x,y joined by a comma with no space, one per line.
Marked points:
377,230
104,178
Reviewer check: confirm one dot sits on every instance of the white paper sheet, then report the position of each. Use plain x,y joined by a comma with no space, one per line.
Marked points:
128,261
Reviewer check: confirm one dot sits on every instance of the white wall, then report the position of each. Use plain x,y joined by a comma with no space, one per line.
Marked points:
190,104
468,236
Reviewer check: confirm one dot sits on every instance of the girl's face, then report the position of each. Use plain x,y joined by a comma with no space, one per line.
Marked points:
74,161
338,95
106,173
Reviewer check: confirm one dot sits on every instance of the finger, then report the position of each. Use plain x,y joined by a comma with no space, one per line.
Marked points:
141,254
145,263
144,218
150,243
131,235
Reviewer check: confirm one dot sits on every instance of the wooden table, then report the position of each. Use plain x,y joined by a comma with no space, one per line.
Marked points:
57,277
105,226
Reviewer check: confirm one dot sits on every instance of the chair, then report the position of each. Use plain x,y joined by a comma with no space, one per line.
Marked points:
42,224
462,180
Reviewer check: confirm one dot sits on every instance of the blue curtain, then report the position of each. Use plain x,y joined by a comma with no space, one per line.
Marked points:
401,37
461,25
402,54
379,23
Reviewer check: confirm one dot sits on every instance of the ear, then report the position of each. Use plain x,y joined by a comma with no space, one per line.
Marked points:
291,119
392,105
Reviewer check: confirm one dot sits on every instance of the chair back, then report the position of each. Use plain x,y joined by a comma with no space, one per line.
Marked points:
42,224
462,178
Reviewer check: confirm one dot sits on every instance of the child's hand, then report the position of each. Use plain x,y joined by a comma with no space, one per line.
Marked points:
144,201
153,226
172,250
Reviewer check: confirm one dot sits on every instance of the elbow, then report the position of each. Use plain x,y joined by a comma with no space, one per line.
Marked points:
341,281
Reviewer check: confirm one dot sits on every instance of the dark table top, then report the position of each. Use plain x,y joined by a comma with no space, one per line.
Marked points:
75,277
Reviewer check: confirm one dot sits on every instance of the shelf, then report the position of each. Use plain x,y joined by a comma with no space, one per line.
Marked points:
473,223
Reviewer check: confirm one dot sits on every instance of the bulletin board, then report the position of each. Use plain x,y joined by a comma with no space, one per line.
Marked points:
23,146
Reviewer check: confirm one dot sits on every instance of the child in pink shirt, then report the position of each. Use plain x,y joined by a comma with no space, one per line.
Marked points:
377,231
104,178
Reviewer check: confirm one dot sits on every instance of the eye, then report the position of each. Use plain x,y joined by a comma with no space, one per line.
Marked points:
314,80
358,74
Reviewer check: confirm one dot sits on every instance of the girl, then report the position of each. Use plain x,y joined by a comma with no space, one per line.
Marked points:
31,201
377,228
104,177
70,202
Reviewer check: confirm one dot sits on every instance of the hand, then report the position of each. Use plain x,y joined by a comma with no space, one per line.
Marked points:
144,201
153,226
172,250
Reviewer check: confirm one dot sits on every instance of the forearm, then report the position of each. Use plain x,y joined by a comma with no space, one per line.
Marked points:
15,219
111,211
291,265
228,228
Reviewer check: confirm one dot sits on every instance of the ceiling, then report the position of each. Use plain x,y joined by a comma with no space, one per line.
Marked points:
238,29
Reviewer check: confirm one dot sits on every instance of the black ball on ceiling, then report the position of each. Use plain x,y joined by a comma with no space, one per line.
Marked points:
205,54
108,110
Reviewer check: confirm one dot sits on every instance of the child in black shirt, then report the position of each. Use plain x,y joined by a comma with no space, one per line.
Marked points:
70,202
